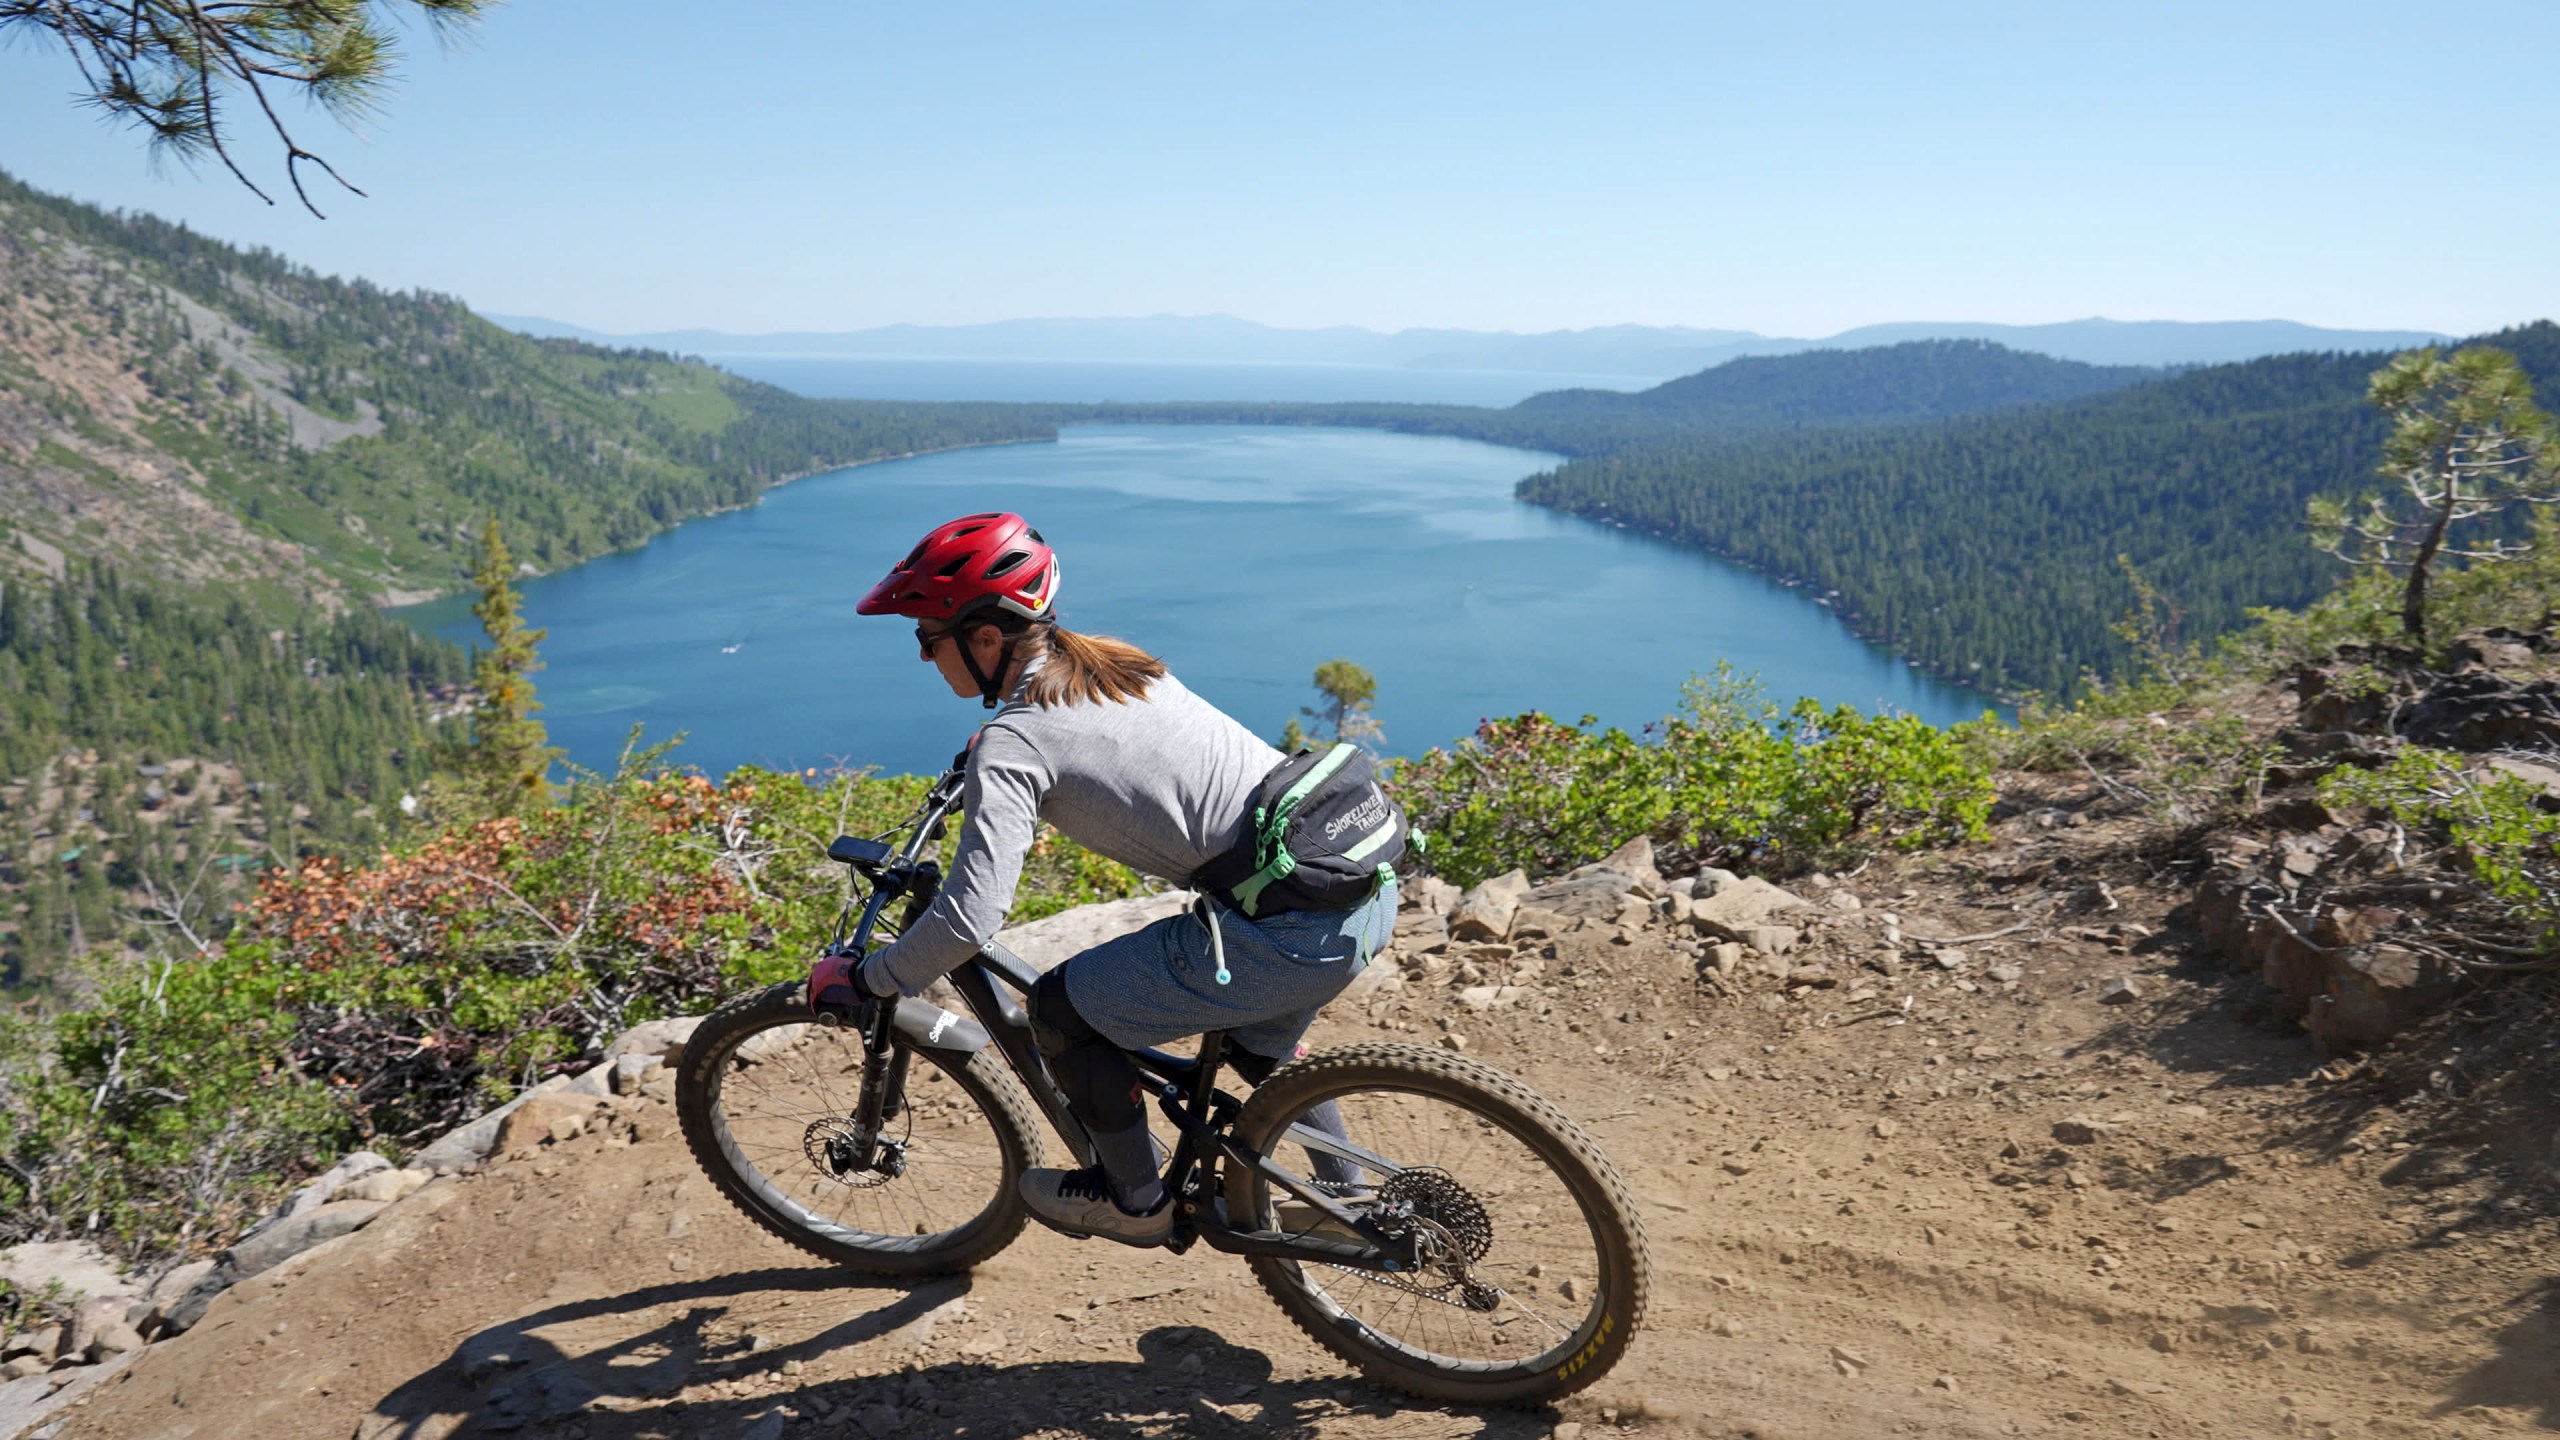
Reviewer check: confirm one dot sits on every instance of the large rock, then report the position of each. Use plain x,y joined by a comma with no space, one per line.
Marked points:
1050,941
1431,893
1590,893
662,1038
2372,991
266,1249
1484,913
1531,922
1421,930
285,1239
468,1146
2479,711
630,1070
1739,906
80,1268
543,1119
1635,859
90,1319
323,1189
385,1186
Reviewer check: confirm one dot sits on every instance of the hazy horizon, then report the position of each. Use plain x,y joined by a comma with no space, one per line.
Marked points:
1790,171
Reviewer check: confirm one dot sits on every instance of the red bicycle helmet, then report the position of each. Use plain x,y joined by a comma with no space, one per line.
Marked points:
967,565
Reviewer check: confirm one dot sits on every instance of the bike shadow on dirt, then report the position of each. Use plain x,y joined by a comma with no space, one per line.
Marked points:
2520,1377
688,1372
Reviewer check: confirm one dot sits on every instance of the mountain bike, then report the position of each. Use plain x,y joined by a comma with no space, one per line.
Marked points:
1460,1238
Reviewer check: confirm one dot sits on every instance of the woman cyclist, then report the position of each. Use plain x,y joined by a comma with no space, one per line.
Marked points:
1093,736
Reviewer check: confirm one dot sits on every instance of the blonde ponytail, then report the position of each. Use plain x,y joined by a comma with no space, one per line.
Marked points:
1085,669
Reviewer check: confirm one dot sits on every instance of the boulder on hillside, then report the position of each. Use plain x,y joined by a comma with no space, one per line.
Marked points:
469,1145
1737,907
385,1186
1430,893
1484,913
265,1249
1536,922
1590,893
662,1038
324,1188
630,1070
80,1268
541,1120
2496,648
1635,859
1418,931
2476,710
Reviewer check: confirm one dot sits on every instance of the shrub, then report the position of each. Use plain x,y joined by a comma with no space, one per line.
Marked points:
2492,823
385,1002
170,1111
1730,781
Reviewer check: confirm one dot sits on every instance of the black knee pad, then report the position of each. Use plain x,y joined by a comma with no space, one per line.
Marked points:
1055,1023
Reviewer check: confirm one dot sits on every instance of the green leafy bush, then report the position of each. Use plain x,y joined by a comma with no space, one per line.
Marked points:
2493,824
166,1113
382,1003
1730,781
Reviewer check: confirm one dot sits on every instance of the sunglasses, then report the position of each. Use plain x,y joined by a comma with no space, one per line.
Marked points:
927,639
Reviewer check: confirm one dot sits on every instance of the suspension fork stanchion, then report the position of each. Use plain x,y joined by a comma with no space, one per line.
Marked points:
880,1059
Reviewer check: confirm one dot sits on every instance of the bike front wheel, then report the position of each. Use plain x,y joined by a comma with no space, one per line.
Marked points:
1541,1268
763,1094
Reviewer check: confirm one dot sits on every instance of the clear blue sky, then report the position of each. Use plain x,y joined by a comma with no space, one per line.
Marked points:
1788,168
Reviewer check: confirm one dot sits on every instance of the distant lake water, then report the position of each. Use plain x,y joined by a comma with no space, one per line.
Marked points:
1245,556
1095,382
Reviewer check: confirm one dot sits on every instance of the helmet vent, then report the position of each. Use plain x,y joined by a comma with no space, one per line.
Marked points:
1011,561
954,568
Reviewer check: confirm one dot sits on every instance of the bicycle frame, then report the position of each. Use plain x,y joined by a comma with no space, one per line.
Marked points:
1203,1116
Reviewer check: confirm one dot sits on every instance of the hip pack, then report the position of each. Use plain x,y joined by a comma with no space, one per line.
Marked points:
1323,835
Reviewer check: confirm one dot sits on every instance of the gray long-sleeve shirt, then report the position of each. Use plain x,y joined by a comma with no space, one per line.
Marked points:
1160,784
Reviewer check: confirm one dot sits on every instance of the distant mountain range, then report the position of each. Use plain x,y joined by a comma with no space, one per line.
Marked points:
1644,351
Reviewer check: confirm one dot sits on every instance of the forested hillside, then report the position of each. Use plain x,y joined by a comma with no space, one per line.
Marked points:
1986,547
156,751
213,461
197,412
1919,380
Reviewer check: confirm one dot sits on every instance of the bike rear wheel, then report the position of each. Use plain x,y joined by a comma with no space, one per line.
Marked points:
1547,1266
762,1090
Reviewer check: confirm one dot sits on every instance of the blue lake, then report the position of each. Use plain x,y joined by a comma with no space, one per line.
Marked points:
1245,556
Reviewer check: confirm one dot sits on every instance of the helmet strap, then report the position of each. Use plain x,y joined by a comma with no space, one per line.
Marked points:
990,687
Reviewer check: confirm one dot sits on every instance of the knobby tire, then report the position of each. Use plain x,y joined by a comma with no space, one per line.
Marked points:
1569,1155
711,1057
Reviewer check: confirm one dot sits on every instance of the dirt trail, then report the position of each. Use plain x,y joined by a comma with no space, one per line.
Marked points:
1867,1215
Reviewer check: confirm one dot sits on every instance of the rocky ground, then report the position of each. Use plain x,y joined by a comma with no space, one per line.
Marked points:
1988,1144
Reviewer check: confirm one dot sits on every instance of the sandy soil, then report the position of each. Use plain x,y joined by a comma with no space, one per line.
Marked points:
1862,1219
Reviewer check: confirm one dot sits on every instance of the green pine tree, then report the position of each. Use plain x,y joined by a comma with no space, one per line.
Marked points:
506,765
1348,690
2466,444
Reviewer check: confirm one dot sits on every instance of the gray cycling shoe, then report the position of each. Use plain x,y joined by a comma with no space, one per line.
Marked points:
1079,1203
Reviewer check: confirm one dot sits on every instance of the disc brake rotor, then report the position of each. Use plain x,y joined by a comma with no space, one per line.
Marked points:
831,1144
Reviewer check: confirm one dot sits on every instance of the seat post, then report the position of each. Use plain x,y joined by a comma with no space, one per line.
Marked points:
1204,1081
